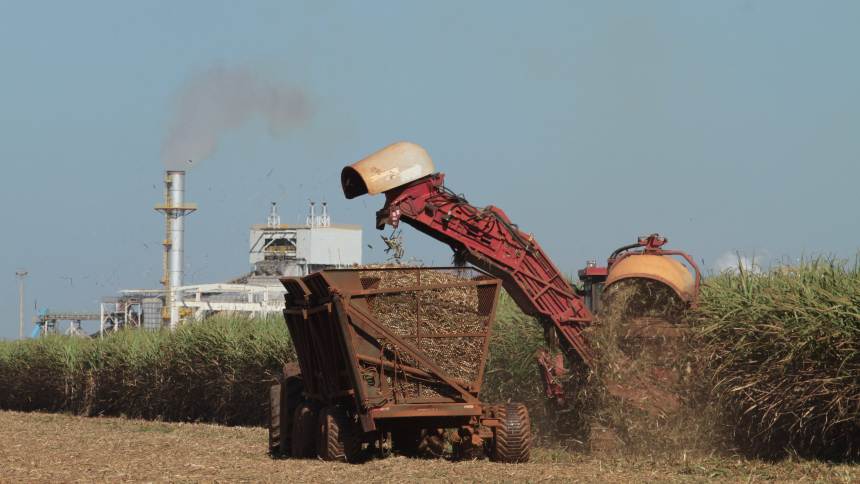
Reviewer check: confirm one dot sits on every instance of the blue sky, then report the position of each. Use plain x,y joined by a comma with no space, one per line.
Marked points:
728,126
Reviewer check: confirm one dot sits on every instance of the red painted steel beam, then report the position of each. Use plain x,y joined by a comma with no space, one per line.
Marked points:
488,239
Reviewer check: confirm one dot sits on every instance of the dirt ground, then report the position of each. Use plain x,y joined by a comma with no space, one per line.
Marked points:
61,448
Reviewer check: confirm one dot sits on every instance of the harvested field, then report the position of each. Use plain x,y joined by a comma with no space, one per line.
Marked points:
61,448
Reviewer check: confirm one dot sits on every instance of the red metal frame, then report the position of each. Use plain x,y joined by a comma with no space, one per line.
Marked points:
337,337
488,239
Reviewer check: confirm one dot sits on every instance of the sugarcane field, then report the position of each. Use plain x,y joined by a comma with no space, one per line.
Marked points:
485,241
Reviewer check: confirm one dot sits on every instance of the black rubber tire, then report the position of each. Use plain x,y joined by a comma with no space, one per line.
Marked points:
337,440
277,421
284,397
304,434
513,439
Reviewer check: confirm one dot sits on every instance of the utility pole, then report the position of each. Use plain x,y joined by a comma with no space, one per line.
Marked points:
21,275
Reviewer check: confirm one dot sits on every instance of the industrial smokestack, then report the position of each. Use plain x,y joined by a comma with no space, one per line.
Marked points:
176,181
174,209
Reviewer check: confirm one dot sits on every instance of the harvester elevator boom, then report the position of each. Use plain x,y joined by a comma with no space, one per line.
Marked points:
485,237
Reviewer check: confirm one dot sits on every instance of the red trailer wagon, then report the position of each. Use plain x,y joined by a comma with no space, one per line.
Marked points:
392,358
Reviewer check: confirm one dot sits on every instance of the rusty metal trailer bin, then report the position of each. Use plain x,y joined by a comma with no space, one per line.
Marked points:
392,359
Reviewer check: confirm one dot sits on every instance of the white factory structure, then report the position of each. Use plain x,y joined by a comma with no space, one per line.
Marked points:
275,250
278,249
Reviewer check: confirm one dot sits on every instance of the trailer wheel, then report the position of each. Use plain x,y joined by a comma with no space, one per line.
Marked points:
337,439
276,421
284,397
512,440
304,431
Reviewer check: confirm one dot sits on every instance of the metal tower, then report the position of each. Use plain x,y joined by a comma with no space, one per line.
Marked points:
174,209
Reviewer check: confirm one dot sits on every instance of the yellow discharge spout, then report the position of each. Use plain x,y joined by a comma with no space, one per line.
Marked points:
391,167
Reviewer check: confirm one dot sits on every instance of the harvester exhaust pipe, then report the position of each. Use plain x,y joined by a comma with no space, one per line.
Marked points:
391,167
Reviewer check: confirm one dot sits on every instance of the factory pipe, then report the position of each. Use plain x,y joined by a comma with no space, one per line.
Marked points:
175,258
174,209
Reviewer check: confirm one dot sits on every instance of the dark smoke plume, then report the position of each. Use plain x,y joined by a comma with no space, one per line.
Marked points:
221,99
